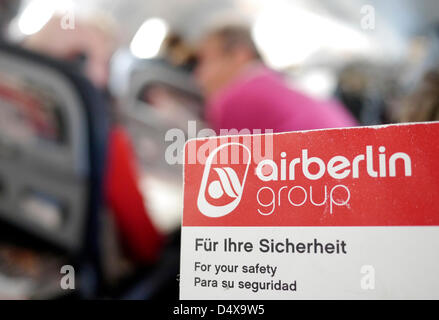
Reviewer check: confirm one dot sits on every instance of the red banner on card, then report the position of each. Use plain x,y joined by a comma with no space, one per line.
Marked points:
370,176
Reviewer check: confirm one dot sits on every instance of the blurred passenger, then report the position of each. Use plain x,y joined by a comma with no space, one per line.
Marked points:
92,42
423,103
242,93
351,89
366,89
178,53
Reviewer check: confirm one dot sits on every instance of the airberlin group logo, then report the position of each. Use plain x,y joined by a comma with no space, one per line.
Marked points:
364,172
226,184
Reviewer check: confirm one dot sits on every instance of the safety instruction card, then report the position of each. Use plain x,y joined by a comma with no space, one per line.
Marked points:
326,214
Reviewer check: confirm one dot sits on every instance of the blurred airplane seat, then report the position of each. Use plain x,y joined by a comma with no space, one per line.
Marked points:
53,137
54,133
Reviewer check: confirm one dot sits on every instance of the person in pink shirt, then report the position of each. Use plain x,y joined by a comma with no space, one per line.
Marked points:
242,93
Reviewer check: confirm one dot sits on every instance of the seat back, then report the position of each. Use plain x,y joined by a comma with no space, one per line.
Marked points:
160,98
53,135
